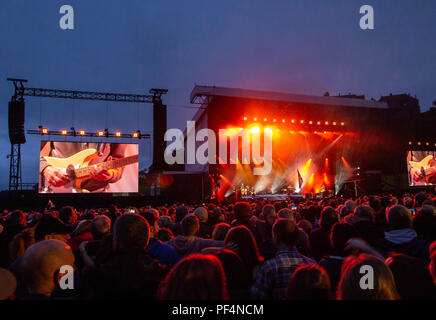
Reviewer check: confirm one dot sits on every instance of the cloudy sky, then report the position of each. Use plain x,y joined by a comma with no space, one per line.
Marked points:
304,46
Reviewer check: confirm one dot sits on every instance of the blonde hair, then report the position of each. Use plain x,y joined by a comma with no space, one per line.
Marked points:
349,285
20,242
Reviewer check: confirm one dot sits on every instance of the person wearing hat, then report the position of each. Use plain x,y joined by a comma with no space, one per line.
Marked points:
52,228
202,215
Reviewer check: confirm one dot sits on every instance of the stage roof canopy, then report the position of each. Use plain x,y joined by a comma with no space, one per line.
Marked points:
202,94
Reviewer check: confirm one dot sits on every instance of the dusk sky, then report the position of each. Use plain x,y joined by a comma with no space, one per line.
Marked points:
304,46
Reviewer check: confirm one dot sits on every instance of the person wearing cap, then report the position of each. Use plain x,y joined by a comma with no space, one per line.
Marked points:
52,228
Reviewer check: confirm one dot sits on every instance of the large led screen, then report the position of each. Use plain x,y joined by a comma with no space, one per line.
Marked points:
421,167
88,167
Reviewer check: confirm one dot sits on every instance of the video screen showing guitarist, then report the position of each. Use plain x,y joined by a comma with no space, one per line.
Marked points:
421,168
71,167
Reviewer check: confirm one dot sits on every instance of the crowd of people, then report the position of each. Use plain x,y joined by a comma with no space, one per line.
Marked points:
370,248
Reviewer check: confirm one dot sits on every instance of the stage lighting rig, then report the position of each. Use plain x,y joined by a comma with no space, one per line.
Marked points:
83,133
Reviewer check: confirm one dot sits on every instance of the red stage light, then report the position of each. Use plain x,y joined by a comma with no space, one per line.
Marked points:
318,123
310,122
334,123
342,123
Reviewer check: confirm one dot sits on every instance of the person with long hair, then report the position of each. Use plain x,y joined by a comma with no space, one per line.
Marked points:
246,247
195,277
350,285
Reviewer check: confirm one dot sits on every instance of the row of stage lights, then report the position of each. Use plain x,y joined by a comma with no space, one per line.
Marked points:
419,143
82,133
268,130
301,121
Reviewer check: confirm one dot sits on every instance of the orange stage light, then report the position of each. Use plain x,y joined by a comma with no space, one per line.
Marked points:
44,130
82,132
64,132
117,134
100,133
311,179
326,179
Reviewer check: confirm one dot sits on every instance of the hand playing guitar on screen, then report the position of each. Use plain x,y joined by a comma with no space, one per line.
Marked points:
102,174
55,176
424,171
416,175
58,178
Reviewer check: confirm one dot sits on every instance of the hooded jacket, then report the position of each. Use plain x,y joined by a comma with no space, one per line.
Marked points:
185,245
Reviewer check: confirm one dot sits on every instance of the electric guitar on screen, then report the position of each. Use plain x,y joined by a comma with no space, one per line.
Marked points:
79,171
427,167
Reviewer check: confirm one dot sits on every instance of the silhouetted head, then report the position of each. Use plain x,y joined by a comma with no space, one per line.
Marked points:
190,226
285,233
131,233
412,277
247,246
195,277
398,217
309,282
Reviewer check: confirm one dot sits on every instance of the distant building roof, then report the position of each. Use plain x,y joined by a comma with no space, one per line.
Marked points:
200,92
